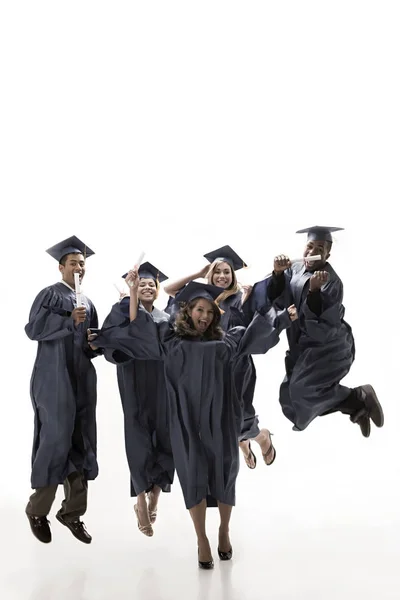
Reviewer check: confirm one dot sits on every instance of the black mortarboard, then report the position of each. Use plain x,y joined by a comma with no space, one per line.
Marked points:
194,289
228,255
319,233
71,245
149,271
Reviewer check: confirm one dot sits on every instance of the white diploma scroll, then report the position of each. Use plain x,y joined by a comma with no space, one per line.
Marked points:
78,290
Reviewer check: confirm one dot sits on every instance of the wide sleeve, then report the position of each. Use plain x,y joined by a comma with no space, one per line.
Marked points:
118,317
273,290
327,325
263,332
139,340
48,320
93,323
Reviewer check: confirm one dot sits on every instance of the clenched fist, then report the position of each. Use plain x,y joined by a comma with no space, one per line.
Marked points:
318,279
281,263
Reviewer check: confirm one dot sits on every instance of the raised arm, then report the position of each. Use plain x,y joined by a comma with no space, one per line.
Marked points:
173,288
139,339
265,328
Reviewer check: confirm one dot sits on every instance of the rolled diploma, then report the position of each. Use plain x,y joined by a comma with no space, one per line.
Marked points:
302,259
308,258
78,290
138,263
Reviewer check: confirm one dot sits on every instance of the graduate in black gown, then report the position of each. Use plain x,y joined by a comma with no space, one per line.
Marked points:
204,409
144,401
63,393
222,273
321,344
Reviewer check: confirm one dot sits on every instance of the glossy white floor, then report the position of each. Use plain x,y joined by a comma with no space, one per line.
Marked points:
322,522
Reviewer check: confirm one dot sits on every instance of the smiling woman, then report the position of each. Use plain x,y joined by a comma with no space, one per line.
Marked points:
204,407
199,318
143,395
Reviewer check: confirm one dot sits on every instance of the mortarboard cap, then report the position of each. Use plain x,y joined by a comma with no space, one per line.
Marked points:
149,271
227,255
71,245
194,289
320,233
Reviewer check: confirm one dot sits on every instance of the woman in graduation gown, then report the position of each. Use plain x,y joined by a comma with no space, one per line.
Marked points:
63,392
204,410
222,273
321,344
144,401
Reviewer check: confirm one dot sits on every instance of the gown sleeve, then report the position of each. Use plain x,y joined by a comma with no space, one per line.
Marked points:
139,340
263,332
48,320
93,323
323,319
118,317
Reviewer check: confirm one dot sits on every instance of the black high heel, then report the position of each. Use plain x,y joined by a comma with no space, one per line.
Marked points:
208,564
225,555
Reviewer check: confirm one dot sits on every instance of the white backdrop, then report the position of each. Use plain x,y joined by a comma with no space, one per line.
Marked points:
175,128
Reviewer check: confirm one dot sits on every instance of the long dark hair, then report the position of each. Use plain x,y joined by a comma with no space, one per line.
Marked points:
184,325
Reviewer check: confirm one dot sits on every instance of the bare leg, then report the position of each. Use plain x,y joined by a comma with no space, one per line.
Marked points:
198,514
153,497
265,443
142,515
224,543
248,454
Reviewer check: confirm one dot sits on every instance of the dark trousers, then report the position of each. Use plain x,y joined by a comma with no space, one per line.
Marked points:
73,506
350,405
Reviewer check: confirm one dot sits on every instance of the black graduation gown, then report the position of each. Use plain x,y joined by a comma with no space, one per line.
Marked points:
144,402
63,388
244,369
321,344
203,401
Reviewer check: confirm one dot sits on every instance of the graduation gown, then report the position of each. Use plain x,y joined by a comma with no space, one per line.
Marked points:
143,394
204,408
244,369
321,344
63,388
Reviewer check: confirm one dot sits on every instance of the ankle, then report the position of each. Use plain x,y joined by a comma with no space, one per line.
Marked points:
202,540
262,436
141,503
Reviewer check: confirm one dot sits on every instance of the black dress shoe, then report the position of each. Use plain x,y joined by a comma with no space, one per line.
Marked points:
367,395
77,528
365,425
208,564
40,527
225,555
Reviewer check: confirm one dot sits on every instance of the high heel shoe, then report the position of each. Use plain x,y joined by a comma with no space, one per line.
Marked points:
271,449
153,516
225,555
152,513
145,529
208,564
